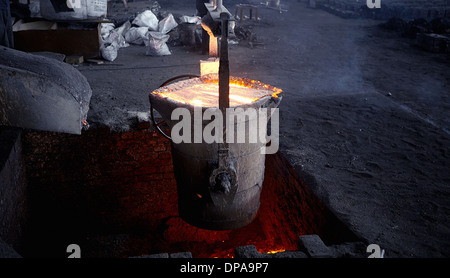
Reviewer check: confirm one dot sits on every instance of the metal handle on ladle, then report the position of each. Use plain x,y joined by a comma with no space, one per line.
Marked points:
223,178
152,116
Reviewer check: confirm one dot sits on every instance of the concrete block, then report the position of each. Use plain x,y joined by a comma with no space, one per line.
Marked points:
289,255
181,255
350,250
314,247
153,256
13,187
248,251
6,251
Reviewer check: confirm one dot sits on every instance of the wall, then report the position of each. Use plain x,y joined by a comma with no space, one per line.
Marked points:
13,199
114,194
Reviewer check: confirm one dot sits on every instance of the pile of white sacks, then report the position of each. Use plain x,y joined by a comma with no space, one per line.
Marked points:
145,29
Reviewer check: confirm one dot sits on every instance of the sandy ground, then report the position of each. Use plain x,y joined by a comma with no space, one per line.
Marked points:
364,119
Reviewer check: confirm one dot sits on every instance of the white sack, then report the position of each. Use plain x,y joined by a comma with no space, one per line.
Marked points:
156,44
167,24
136,35
190,19
146,19
109,52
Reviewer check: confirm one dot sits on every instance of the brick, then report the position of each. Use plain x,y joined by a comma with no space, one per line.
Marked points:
74,59
314,247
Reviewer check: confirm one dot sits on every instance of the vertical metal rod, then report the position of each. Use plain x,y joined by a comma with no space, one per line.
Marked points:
224,68
223,178
224,87
219,5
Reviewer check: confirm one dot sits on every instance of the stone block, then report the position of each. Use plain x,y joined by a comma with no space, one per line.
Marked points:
314,247
152,256
6,251
350,250
289,255
13,186
181,255
248,251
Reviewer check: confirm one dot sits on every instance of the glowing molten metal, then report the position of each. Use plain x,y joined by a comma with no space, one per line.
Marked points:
204,92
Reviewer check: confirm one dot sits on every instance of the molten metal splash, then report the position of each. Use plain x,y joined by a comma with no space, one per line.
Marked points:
206,92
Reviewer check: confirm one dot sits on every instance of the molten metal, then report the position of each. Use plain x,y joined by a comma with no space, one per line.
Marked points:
204,91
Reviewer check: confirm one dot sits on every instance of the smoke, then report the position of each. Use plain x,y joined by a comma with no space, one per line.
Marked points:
332,63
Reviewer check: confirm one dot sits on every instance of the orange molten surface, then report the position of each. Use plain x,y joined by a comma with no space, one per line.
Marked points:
207,94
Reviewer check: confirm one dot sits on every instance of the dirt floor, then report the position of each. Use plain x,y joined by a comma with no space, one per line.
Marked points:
364,118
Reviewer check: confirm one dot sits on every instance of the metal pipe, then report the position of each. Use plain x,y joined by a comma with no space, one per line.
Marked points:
224,87
224,67
223,178
219,5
